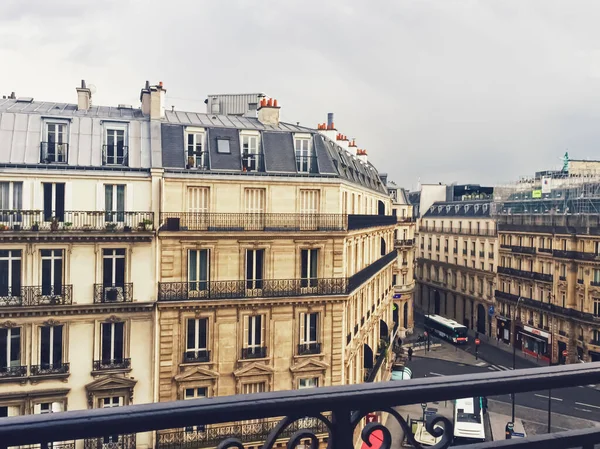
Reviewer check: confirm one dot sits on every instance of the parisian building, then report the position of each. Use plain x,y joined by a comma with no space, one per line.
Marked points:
153,255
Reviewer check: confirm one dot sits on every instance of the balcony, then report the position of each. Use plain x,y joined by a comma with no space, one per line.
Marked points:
69,221
473,252
464,252
12,371
481,253
54,153
459,231
455,250
562,278
36,296
335,407
113,293
309,348
200,356
49,369
491,255
112,364
525,274
545,250
588,224
307,164
563,333
403,243
197,159
520,249
254,353
356,221
115,155
595,283
253,162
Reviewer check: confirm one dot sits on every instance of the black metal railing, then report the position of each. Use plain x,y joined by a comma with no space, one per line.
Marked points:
563,333
545,250
48,369
459,231
217,222
341,408
309,348
562,278
111,364
254,353
267,288
111,442
543,277
115,155
356,221
307,164
105,293
520,249
198,159
13,371
54,153
588,224
253,162
67,221
595,283
38,295
405,242
201,355
366,273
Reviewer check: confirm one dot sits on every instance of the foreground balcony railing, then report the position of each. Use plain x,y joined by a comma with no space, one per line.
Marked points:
112,364
113,293
110,442
66,221
341,411
38,295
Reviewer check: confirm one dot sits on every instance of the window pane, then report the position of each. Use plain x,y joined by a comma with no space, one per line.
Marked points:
57,345
119,341
106,342
191,334
193,268
45,345
202,324
3,352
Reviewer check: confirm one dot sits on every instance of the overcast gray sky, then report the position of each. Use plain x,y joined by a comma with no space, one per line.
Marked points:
436,90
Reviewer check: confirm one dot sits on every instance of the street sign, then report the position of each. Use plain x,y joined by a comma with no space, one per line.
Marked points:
518,434
565,353
397,295
371,417
491,311
477,341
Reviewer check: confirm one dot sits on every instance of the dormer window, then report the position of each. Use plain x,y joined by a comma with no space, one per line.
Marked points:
196,155
55,147
251,154
115,149
304,158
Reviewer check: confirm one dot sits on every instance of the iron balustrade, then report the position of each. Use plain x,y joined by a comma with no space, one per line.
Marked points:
562,278
459,231
267,288
357,221
595,283
588,224
253,162
520,249
366,273
41,221
54,153
545,250
309,348
201,355
543,277
254,352
226,222
38,295
109,293
403,243
307,164
111,364
115,155
341,409
13,371
49,369
111,442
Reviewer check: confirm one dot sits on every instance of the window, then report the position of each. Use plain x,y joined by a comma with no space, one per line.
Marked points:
54,201
309,328
196,156
55,148
596,306
113,278
258,387
254,336
309,201
311,382
10,273
254,268
251,158
115,149
198,269
111,402
197,341
11,199
254,201
308,269
195,393
52,271
114,202
223,146
580,275
111,345
303,156
10,349
51,347
198,199
48,407
596,279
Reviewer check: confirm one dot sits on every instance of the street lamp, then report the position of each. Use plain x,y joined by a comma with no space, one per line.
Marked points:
514,358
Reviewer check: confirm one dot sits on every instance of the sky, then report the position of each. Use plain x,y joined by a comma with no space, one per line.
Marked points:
444,91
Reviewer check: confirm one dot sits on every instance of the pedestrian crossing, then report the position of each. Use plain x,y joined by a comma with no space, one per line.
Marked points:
498,368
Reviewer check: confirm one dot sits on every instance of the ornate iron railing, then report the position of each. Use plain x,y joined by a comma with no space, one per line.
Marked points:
38,295
115,155
48,369
113,293
54,153
67,221
309,348
253,162
404,243
112,364
202,355
13,371
341,410
525,274
267,288
519,249
254,353
111,442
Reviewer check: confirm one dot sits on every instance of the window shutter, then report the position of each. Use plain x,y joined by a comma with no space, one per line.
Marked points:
37,409
14,410
57,407
262,330
246,339
302,328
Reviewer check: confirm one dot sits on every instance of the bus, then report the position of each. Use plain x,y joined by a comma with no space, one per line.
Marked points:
468,421
447,329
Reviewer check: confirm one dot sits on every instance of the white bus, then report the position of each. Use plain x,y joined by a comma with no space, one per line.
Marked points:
446,328
468,421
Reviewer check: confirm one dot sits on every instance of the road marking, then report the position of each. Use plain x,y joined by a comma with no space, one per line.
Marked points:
491,368
503,367
582,409
556,399
436,374
586,405
481,364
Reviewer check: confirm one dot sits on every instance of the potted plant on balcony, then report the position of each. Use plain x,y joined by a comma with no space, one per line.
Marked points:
86,227
111,227
126,228
111,295
147,224
67,225
54,224
35,226
3,227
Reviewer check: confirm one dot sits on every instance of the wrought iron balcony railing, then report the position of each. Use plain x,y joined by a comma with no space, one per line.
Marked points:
309,348
67,221
543,277
49,369
111,364
115,155
459,231
519,249
111,442
54,153
38,295
113,293
404,243
588,224
201,355
341,409
254,353
13,371
252,162
307,164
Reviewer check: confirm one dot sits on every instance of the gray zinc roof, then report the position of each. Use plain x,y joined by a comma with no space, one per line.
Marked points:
25,106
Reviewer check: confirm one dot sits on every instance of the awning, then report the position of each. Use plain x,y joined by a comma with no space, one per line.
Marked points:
535,337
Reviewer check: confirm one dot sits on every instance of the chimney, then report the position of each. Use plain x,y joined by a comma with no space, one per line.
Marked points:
13,96
268,112
145,98
84,97
328,129
362,155
157,101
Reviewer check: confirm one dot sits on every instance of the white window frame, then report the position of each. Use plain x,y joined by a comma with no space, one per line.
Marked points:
112,340
202,158
9,332
308,382
198,282
303,153
249,337
115,127
305,319
10,258
197,347
65,136
114,258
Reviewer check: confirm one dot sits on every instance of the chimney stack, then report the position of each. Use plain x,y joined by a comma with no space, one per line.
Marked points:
268,112
328,129
84,97
145,98
157,101
362,155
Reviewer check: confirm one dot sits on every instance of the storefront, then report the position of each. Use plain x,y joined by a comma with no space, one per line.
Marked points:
503,325
536,342
594,356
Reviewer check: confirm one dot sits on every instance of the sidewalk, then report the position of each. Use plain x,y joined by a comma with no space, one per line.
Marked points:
450,353
498,425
